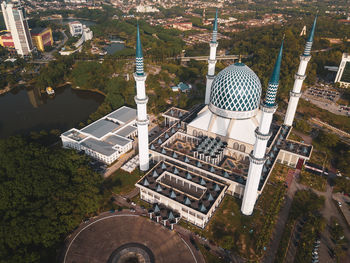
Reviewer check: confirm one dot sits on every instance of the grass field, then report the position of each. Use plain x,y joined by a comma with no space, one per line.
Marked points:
122,182
313,181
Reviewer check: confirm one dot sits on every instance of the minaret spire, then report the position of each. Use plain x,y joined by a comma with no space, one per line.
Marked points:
141,100
299,78
139,55
310,39
215,28
271,92
262,134
212,59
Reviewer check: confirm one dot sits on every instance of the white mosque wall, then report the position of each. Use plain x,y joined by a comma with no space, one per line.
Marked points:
191,215
237,145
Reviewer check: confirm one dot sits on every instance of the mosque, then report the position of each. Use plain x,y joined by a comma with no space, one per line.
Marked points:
227,145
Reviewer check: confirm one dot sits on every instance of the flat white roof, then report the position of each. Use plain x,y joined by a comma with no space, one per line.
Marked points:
100,128
123,114
104,134
99,146
125,132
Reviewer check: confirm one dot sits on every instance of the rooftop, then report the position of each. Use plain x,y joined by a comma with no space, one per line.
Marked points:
191,189
125,132
225,174
99,146
123,114
37,30
175,113
100,128
116,140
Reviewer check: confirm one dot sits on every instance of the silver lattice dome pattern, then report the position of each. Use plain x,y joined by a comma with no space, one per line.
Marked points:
236,88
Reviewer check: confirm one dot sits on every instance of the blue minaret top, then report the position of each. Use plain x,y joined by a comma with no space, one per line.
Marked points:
215,28
310,39
139,56
274,80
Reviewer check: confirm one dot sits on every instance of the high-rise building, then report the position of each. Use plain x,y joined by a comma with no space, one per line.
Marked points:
343,74
16,23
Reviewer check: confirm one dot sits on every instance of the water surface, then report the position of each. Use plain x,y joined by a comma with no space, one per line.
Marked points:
24,110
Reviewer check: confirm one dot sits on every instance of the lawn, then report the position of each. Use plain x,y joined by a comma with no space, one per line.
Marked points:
318,157
294,137
317,182
137,200
121,182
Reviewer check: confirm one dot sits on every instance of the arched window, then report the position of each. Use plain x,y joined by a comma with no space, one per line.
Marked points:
242,148
235,146
194,133
200,134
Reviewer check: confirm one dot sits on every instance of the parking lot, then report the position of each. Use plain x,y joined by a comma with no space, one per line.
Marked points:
326,96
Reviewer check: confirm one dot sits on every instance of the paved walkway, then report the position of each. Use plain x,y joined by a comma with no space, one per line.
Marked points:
119,163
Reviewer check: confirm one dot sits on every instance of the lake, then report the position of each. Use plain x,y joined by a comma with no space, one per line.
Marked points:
114,47
24,110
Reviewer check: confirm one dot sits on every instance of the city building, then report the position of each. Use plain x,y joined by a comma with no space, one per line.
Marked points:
87,33
77,1
16,24
146,9
75,28
6,41
183,26
42,37
343,74
182,87
105,139
228,145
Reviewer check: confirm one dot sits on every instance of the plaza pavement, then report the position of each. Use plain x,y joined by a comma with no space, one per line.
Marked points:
95,241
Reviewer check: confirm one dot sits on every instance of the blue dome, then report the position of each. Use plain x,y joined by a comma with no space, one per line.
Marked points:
235,92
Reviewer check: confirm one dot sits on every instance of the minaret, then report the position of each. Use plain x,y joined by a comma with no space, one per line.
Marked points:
212,59
262,134
299,79
141,100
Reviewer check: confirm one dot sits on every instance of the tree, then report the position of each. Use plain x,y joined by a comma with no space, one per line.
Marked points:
45,194
303,126
327,140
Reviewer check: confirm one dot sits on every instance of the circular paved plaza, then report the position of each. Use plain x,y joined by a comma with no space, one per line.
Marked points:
127,238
